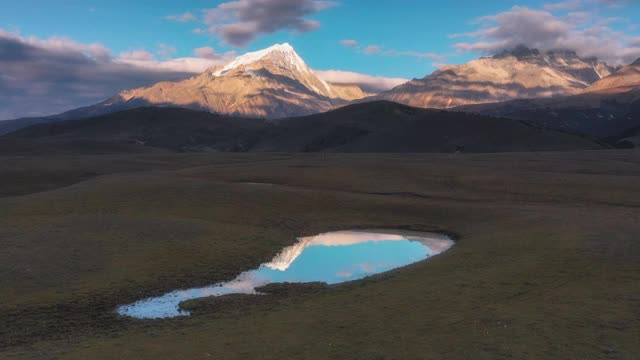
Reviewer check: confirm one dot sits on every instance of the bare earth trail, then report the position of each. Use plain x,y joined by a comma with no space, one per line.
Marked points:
547,263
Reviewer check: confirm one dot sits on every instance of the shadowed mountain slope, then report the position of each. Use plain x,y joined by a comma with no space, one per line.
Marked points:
601,115
370,127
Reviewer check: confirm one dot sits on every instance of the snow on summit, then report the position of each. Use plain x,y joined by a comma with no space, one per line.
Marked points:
285,50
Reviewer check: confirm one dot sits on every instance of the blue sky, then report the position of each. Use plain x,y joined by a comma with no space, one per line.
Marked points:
392,39
402,25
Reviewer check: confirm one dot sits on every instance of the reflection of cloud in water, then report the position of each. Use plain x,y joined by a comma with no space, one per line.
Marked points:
331,258
369,267
437,243
341,238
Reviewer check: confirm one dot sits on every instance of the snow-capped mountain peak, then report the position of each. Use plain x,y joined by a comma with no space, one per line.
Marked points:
285,50
280,60
272,83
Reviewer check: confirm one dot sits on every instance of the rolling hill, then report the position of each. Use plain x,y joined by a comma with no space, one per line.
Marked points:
606,115
370,127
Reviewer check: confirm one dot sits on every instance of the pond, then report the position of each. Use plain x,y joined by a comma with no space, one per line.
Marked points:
333,258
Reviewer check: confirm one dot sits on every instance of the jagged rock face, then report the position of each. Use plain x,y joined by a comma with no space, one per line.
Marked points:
271,83
521,73
623,80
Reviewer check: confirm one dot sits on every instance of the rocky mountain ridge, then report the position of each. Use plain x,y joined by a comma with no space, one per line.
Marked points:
515,74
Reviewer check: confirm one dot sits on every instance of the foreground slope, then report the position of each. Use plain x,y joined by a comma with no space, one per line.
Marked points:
516,74
369,127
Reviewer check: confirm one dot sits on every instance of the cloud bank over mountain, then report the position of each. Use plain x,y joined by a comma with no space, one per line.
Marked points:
572,25
240,22
43,77
368,83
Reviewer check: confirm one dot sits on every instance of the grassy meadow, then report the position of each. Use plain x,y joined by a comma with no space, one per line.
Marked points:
546,265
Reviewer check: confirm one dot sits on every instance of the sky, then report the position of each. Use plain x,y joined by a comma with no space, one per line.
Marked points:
55,57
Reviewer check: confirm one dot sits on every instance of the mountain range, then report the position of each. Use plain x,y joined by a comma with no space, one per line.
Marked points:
609,109
554,90
518,74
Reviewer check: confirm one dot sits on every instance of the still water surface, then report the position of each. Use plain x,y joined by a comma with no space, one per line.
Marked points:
332,258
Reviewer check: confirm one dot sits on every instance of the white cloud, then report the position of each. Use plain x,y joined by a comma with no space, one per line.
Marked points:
206,58
165,50
208,52
379,50
564,5
439,65
571,5
239,22
585,33
367,82
62,45
136,55
372,49
46,76
349,43
186,17
178,65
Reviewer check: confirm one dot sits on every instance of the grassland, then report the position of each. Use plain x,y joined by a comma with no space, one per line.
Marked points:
547,263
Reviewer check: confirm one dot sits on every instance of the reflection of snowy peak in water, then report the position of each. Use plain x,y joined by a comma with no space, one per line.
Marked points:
288,255
333,265
284,259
